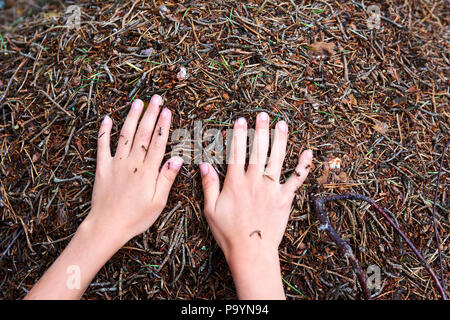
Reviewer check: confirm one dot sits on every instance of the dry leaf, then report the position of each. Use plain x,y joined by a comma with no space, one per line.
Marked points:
323,50
35,157
61,218
225,95
399,100
79,145
353,100
146,52
52,14
381,127
341,177
325,174
413,89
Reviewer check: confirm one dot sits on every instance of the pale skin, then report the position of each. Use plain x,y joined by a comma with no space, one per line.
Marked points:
131,190
249,216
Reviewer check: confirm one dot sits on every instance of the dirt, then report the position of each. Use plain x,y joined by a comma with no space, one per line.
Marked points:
376,98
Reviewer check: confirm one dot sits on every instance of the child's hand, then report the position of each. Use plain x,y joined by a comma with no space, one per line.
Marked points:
130,189
249,216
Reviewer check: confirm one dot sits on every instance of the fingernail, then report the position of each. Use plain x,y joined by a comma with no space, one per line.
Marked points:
175,163
309,153
204,169
106,119
137,104
241,121
156,99
263,116
282,125
165,113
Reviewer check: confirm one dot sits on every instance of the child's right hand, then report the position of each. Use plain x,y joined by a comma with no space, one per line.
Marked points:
249,216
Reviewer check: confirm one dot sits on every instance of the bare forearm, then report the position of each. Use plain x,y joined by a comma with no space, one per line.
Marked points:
257,275
72,272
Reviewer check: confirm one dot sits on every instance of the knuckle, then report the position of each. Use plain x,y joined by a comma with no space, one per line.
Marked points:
208,213
208,181
101,172
159,204
145,134
159,142
168,175
124,133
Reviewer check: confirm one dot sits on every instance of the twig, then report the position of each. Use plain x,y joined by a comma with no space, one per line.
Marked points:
10,80
75,177
12,242
436,232
56,104
318,204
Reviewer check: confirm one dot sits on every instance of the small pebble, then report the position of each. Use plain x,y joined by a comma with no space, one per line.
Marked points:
146,52
335,164
182,74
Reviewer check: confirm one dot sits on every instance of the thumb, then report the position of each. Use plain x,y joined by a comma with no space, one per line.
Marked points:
211,186
300,173
166,178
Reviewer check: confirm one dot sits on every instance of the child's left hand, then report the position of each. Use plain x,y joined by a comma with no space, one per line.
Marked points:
130,190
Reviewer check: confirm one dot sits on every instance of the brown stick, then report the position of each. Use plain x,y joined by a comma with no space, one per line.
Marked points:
11,80
318,204
436,232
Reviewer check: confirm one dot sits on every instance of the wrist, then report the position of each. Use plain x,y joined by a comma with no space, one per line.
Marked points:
102,235
257,274
252,256
69,276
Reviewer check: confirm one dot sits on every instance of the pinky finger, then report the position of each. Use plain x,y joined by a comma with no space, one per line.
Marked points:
301,172
103,141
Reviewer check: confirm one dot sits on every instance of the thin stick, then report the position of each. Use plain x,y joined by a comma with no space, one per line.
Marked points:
436,232
11,80
318,204
56,103
11,243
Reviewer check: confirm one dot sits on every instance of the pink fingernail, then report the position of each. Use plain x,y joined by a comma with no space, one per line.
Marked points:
263,116
282,125
241,121
204,169
106,119
156,99
137,104
165,113
175,163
